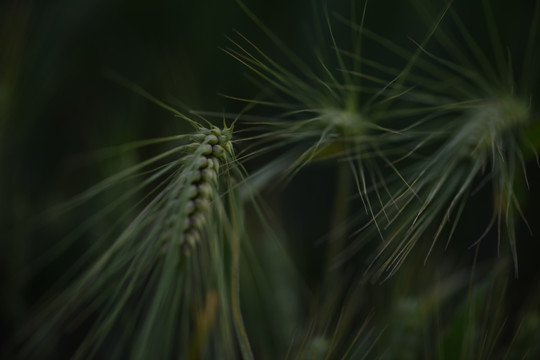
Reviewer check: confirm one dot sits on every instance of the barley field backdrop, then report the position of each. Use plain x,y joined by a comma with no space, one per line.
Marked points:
249,179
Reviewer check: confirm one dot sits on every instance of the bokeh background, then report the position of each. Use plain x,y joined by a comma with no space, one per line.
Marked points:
61,102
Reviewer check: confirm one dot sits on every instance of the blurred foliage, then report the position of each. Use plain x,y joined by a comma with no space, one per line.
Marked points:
60,104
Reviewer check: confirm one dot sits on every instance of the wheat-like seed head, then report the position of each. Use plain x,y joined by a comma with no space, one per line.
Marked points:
207,152
157,267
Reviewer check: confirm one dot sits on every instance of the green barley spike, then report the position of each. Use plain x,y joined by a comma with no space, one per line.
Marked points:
207,155
144,295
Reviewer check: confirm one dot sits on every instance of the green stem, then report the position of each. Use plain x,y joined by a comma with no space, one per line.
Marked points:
241,333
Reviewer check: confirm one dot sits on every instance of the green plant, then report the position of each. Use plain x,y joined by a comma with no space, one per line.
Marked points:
172,254
459,133
378,157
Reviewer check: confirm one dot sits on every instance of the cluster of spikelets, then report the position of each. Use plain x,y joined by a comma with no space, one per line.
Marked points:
161,279
482,145
418,143
208,151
